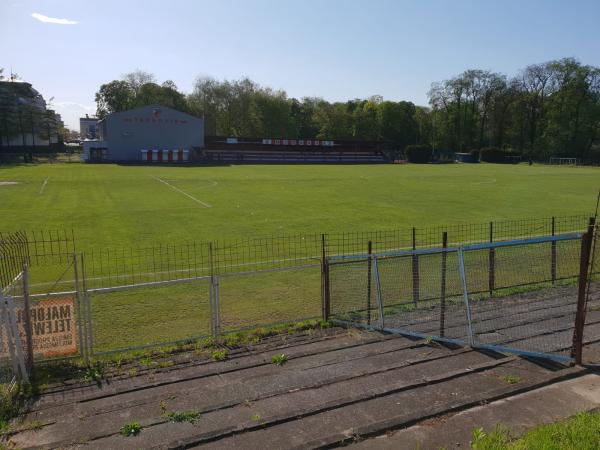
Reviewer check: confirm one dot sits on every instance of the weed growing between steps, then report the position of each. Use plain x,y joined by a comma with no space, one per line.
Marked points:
135,362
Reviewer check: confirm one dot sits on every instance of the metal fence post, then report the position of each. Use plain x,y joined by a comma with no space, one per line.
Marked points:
415,268
217,298
87,304
492,263
586,246
27,317
443,287
6,322
327,293
211,291
80,310
324,313
463,280
16,339
213,295
369,269
211,307
553,253
378,294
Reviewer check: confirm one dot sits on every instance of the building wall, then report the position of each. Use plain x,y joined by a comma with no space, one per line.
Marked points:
88,128
149,127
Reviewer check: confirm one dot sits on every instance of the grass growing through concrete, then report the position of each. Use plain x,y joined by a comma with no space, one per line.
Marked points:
130,363
183,416
219,355
279,360
131,429
581,432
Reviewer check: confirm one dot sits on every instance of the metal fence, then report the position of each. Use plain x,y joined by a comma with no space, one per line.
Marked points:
13,360
518,296
118,299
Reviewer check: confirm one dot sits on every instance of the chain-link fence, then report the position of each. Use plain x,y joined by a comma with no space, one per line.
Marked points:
118,299
518,296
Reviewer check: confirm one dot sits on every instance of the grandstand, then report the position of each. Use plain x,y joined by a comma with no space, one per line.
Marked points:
220,149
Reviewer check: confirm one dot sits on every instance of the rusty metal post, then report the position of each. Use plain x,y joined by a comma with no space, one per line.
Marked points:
327,293
443,287
553,256
326,307
492,263
586,246
323,277
415,268
369,276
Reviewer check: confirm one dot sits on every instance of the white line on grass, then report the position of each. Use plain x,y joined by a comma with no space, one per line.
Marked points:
206,205
44,185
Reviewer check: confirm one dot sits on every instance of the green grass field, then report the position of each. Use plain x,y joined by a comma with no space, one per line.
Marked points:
112,205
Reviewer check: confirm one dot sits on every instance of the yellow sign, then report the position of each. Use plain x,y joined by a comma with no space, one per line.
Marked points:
53,327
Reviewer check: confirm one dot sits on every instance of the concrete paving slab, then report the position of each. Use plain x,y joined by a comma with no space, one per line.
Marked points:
519,413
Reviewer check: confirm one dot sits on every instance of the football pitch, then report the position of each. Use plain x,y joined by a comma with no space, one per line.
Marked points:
117,205
120,207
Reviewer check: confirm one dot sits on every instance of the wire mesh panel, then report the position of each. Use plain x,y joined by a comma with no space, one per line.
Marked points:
517,296
525,311
422,293
146,315
270,297
352,291
266,253
130,266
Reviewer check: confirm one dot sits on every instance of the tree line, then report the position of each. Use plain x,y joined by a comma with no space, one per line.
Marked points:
548,109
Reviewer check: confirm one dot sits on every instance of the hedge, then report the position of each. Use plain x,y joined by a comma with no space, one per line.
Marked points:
418,153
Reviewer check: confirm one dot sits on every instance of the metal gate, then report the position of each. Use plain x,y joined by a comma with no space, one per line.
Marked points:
516,296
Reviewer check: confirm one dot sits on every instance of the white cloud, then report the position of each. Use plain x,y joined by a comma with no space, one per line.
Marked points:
72,111
75,105
46,19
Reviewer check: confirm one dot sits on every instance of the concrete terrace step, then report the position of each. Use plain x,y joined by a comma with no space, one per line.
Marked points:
363,382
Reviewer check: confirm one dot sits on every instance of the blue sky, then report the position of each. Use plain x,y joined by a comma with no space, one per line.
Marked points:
329,48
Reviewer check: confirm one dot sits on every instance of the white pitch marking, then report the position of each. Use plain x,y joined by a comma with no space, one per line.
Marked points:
206,205
44,185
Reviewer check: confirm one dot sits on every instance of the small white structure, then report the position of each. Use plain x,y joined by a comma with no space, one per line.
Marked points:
564,161
94,150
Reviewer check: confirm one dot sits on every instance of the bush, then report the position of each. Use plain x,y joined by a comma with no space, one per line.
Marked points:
493,155
418,153
474,155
